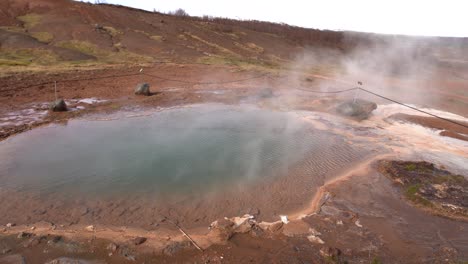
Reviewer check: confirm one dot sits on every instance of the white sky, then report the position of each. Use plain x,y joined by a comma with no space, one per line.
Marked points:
411,17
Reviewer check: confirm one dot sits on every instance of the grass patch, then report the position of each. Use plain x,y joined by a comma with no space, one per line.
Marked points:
27,57
81,46
104,56
30,20
157,38
255,47
213,45
112,31
44,37
251,47
412,194
243,63
411,167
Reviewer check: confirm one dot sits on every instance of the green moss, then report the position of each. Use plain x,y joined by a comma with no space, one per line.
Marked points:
412,194
376,261
44,37
30,20
411,167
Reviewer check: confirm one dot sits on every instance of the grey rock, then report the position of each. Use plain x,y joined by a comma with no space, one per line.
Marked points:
143,89
58,106
358,109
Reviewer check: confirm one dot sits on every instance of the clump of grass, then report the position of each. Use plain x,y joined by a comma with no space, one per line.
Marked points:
157,38
411,167
213,45
255,47
112,31
412,194
81,46
44,37
27,57
104,56
243,63
30,20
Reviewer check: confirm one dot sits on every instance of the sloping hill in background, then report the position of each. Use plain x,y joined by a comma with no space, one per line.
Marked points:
64,32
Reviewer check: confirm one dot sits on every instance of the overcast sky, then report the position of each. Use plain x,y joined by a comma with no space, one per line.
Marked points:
411,17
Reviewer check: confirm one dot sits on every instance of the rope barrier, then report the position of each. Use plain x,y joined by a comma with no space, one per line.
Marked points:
414,108
388,99
327,92
205,83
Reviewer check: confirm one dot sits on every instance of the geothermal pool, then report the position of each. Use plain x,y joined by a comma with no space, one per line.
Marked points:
180,150
210,160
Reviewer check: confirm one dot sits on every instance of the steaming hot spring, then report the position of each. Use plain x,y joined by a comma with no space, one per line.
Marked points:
202,161
194,164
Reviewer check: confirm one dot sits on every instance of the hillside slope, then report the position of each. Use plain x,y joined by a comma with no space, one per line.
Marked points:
48,31
56,35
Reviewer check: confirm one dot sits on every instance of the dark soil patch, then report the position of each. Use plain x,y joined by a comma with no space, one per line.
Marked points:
424,185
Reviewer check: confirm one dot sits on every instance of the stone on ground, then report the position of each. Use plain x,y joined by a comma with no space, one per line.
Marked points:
143,89
359,109
58,106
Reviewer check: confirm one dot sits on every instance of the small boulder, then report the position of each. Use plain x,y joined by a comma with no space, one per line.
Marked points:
143,89
9,225
359,109
24,235
139,240
58,106
112,247
90,228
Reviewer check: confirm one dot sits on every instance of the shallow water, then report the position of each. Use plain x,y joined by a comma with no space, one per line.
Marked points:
192,149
